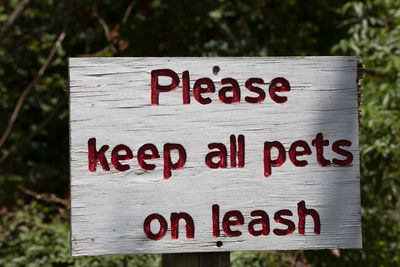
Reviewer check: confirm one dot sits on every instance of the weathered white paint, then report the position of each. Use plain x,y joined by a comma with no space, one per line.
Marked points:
110,100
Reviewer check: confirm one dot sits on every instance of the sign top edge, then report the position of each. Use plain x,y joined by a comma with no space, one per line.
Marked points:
243,57
73,60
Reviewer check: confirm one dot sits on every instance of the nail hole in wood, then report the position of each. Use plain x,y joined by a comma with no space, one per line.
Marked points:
219,244
216,69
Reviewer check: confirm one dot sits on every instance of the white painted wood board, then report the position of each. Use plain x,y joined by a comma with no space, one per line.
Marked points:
110,100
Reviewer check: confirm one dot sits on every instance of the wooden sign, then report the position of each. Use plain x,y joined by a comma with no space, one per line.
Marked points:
213,154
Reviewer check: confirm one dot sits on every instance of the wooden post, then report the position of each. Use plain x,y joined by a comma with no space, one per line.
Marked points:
208,259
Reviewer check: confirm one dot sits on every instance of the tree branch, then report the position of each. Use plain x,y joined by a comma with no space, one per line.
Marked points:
29,87
51,198
38,130
107,32
14,16
128,12
96,54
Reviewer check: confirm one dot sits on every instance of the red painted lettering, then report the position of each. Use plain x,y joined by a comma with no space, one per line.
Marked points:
233,151
142,155
278,85
234,89
215,219
227,222
336,148
198,90
156,88
168,165
95,156
175,217
241,151
268,162
115,157
319,144
293,153
290,225
302,211
221,153
163,226
261,94
263,221
185,87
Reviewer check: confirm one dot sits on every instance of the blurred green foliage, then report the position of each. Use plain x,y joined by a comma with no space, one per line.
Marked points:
34,175
30,238
374,36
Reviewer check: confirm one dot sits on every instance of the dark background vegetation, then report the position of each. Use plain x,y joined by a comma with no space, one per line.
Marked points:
37,37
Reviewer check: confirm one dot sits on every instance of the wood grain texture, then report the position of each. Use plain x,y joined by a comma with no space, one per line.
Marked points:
110,100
